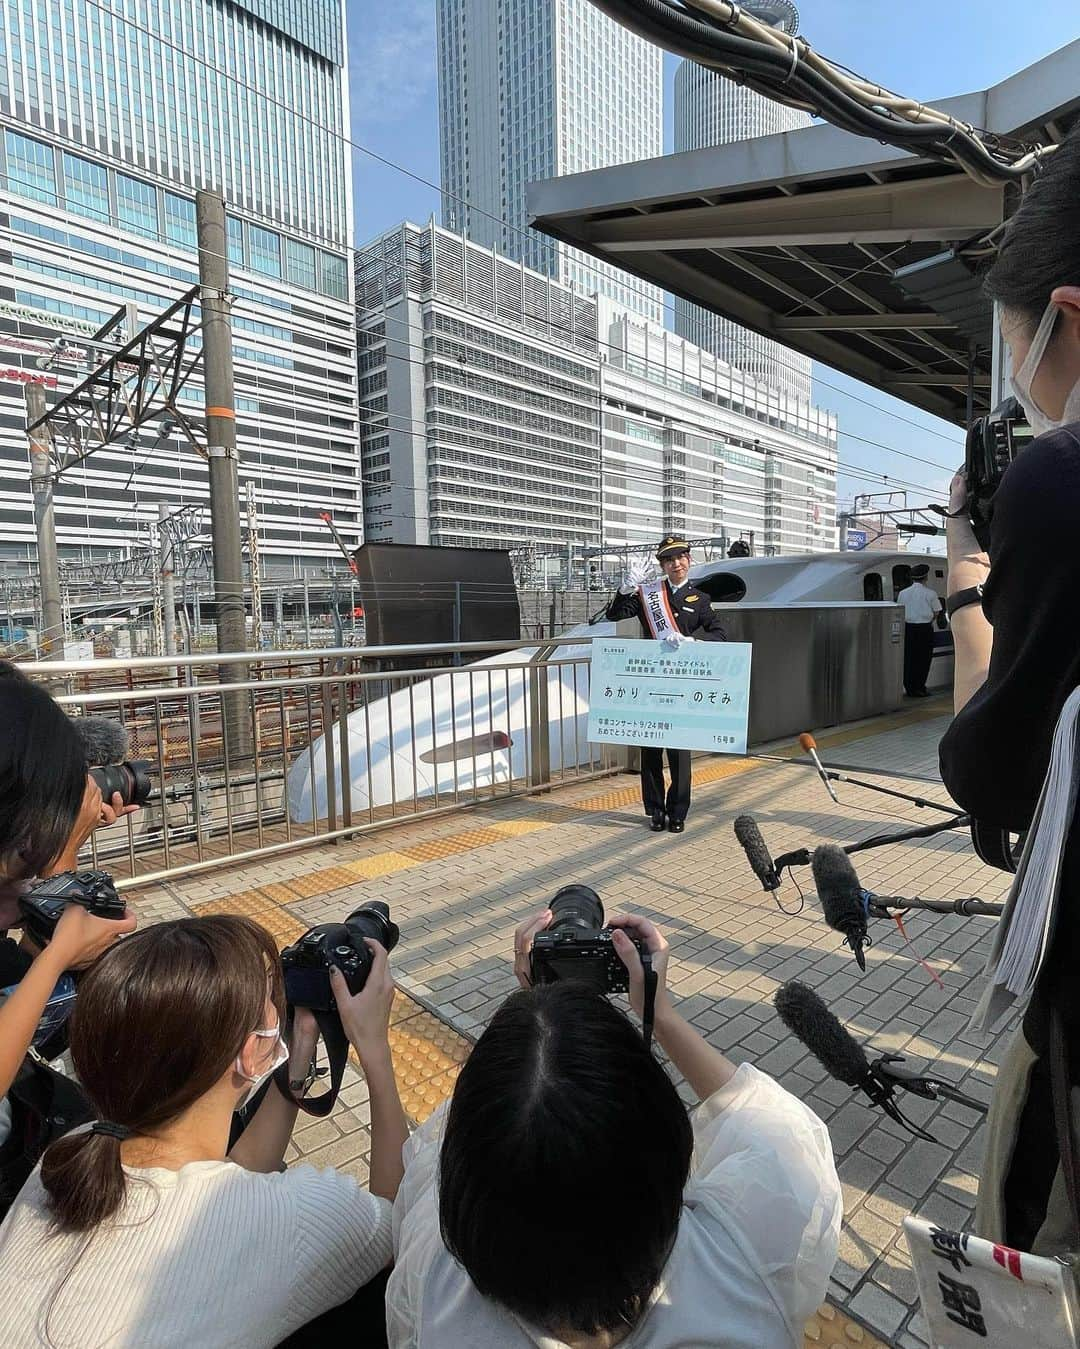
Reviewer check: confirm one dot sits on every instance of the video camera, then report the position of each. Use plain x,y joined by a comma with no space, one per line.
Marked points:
578,946
308,961
44,903
993,442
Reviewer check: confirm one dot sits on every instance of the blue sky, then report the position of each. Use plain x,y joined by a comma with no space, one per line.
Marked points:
926,48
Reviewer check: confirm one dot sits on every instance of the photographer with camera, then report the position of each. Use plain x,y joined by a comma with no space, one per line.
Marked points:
143,1226
49,806
566,1198
1014,624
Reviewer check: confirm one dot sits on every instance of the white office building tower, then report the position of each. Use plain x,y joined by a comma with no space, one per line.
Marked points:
693,444
111,117
532,89
712,110
498,408
479,399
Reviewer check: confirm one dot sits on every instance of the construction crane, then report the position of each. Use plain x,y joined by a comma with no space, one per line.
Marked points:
328,521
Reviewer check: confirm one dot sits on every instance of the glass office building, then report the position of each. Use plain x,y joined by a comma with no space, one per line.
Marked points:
112,114
533,89
713,110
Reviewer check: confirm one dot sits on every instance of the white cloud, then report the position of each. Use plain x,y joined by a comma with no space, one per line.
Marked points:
391,59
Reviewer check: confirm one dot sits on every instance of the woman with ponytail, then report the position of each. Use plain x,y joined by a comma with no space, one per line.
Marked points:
142,1229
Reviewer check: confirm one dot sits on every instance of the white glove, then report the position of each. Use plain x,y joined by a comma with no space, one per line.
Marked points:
677,640
637,573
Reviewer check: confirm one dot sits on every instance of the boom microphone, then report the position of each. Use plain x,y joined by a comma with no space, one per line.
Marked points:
842,1057
809,1020
757,853
103,741
843,901
809,745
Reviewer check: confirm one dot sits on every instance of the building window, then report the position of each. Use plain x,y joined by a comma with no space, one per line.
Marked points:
86,187
264,251
235,232
301,265
335,276
180,221
31,168
137,206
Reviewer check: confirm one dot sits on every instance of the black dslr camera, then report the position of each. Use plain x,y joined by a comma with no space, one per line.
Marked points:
993,442
44,903
308,960
578,946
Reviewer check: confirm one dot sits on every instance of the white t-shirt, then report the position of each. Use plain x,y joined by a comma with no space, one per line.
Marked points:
756,1242
212,1256
920,603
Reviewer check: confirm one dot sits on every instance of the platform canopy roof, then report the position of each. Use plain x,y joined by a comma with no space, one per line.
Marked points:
858,254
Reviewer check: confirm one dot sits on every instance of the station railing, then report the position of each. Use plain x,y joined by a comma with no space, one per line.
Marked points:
259,753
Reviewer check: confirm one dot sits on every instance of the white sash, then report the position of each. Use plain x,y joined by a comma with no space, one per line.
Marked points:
656,606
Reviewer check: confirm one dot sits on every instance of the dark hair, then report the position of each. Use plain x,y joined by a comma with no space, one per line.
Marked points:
42,774
1040,249
158,1020
563,1162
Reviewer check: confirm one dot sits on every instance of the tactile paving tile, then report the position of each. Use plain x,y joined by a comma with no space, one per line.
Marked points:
379,864
829,1328
281,924
433,850
514,827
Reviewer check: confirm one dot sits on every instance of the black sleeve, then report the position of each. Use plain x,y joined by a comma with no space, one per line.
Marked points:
624,606
709,627
995,754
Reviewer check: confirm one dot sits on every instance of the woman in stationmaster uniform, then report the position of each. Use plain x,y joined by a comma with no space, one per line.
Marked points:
675,612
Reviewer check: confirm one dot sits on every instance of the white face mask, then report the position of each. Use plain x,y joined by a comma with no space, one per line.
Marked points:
1023,379
280,1057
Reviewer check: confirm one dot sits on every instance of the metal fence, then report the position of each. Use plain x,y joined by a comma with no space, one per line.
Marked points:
260,753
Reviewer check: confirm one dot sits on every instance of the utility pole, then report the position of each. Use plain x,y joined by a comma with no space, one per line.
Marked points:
41,484
215,304
168,579
254,567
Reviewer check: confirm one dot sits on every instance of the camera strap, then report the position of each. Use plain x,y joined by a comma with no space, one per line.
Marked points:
337,1054
648,1006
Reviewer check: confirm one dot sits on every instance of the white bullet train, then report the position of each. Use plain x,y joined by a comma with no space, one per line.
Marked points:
471,729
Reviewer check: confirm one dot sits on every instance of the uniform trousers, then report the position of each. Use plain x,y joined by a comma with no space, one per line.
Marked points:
677,801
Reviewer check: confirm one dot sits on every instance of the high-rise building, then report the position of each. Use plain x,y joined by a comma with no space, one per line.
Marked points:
499,408
111,116
709,110
532,89
479,398
693,444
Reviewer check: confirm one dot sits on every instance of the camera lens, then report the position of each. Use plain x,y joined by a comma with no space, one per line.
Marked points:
577,908
373,920
131,780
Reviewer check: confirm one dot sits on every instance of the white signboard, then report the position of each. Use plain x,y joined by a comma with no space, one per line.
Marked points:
644,693
974,1292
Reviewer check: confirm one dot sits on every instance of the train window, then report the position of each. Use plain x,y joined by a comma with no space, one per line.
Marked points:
901,578
872,588
722,587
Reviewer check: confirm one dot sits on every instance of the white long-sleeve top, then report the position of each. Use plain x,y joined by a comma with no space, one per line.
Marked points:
212,1256
756,1243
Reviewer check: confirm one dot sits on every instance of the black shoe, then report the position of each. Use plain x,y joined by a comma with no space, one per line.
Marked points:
659,823
676,826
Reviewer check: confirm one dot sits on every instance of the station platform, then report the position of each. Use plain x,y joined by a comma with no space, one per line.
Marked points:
458,885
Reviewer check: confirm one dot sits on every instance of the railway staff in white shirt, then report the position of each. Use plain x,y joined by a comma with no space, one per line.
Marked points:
921,608
566,1199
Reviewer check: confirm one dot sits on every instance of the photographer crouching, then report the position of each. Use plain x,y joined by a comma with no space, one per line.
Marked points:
1014,624
49,806
566,1198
